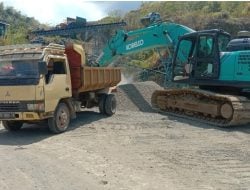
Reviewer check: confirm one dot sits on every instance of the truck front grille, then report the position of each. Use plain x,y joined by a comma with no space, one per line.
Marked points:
15,107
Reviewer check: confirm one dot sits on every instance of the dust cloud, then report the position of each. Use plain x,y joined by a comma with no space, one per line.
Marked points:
126,79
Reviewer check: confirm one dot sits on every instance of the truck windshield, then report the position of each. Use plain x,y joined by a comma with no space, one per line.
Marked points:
18,72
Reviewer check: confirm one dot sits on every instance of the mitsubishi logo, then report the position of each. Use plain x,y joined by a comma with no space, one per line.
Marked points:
7,94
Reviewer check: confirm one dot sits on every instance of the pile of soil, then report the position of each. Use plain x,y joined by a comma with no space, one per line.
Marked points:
136,96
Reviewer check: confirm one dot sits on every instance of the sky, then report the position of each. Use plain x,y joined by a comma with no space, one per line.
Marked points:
55,11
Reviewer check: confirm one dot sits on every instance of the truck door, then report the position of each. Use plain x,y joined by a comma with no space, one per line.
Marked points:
207,57
57,82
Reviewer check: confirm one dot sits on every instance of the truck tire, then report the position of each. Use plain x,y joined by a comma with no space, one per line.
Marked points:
110,105
12,125
60,122
101,104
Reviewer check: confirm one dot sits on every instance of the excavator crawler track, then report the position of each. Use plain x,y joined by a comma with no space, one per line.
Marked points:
205,106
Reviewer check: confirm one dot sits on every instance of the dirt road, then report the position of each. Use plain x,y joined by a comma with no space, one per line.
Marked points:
135,149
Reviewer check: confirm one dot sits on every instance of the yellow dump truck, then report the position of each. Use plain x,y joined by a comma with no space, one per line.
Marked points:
51,83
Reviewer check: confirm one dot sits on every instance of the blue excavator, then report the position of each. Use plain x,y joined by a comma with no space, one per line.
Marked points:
215,68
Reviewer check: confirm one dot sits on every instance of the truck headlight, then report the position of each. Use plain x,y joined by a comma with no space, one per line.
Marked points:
36,107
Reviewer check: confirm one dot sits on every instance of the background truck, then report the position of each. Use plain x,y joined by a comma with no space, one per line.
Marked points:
51,83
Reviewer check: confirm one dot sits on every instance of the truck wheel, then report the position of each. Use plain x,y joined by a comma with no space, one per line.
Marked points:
101,104
110,104
60,122
12,125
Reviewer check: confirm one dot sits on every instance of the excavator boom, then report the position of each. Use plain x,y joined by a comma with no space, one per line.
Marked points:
161,34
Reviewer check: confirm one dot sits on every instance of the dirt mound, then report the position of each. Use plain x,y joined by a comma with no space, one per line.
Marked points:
136,96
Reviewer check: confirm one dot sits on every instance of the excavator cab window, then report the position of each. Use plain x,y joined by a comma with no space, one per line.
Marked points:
205,48
183,62
223,41
207,62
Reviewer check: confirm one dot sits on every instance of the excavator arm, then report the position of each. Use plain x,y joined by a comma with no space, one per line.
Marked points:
156,35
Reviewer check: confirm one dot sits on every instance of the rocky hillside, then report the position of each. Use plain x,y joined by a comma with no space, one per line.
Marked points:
230,16
19,25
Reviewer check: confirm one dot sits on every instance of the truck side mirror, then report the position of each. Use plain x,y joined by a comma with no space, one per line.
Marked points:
42,67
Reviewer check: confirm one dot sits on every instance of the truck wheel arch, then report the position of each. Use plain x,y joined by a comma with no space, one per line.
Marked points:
70,106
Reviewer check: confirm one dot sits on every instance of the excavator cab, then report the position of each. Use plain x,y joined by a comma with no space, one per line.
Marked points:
197,57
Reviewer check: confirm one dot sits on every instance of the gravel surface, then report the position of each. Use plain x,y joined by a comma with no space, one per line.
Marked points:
136,96
135,149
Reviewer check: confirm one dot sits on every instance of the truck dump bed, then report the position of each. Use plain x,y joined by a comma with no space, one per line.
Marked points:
84,78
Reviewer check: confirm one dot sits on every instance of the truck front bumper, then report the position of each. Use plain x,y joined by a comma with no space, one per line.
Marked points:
21,116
